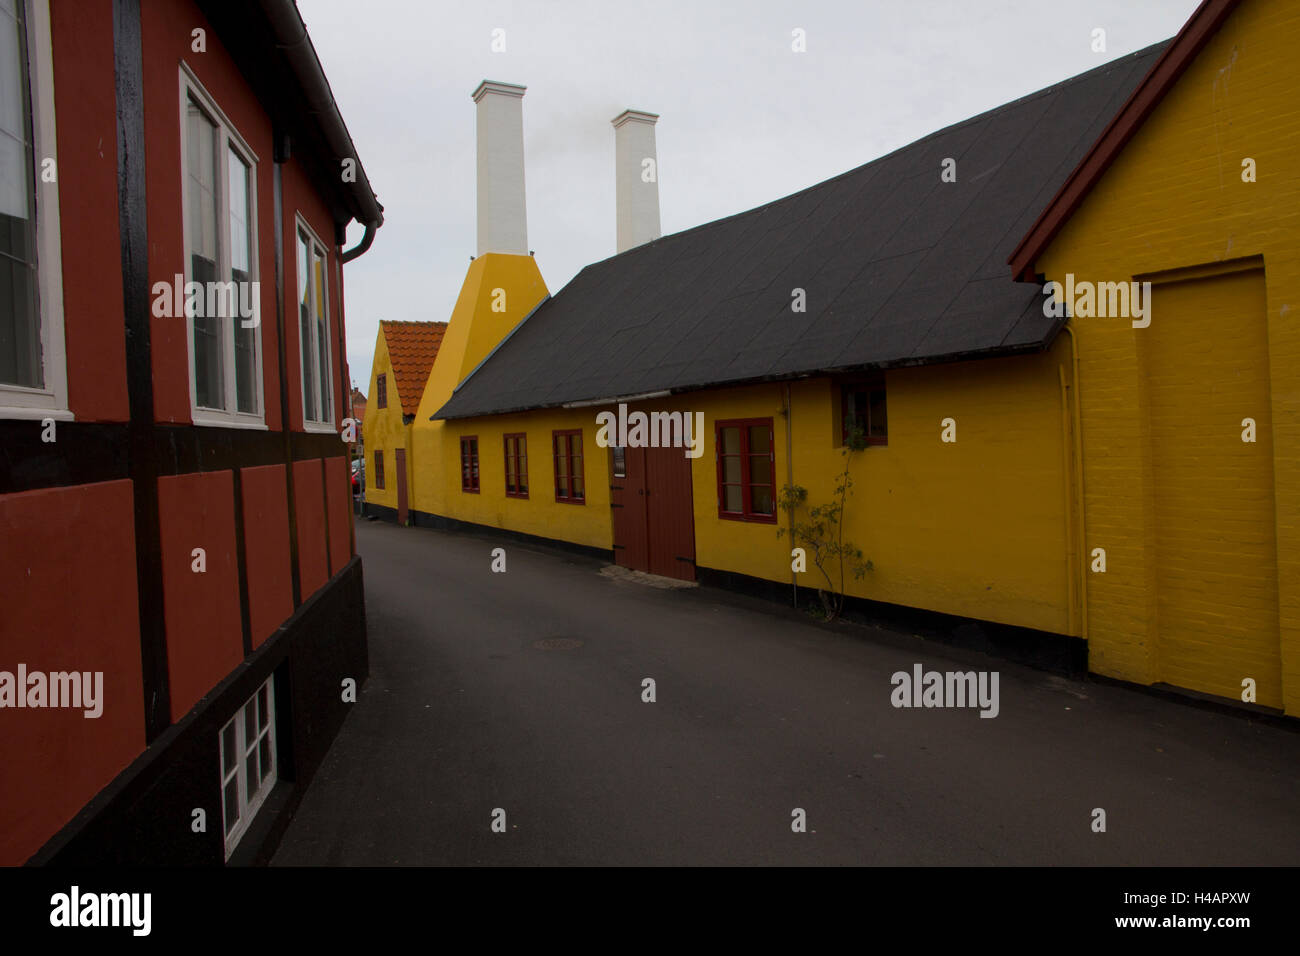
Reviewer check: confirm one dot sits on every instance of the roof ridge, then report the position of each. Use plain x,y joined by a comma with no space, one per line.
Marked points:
993,111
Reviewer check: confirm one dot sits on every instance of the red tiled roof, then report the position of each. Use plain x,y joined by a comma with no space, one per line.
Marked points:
412,347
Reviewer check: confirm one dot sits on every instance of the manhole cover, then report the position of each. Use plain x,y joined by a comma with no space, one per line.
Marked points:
557,644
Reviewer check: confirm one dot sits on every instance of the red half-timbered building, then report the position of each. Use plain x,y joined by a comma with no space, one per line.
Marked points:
176,541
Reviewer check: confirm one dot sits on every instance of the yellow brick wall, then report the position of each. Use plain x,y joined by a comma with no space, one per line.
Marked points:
1175,199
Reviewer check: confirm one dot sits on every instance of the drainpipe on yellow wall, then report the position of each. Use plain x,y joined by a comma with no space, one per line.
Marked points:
1077,429
1067,478
789,477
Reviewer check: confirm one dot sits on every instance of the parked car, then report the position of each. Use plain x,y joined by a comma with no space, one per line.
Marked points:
358,476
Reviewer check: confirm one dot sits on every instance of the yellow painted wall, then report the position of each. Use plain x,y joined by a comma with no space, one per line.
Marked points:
976,528
540,514
499,291
383,430
1175,199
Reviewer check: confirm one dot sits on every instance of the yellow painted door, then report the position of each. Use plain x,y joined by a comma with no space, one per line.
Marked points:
1206,361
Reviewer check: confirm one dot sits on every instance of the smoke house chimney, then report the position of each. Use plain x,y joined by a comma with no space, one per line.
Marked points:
502,220
636,175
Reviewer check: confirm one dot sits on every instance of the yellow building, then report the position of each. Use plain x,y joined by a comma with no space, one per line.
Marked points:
1049,472
404,354
1190,438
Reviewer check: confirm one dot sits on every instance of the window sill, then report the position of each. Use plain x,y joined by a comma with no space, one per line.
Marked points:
320,428
34,413
753,519
208,420
570,501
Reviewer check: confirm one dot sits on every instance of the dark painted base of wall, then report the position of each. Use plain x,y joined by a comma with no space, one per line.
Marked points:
144,817
1043,650
423,519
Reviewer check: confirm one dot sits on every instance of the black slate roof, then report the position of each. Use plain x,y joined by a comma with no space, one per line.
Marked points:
898,268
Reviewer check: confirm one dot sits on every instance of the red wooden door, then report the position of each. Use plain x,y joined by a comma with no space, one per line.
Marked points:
653,518
628,505
401,486
670,517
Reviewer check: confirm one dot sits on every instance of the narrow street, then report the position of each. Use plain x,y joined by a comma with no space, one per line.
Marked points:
758,711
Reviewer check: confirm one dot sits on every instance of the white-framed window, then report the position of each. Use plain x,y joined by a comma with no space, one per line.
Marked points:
33,367
312,272
222,310
248,759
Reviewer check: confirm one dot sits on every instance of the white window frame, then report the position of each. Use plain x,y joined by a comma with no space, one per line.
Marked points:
50,401
228,138
247,809
326,426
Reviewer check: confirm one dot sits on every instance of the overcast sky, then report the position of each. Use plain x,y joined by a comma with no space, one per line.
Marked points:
743,120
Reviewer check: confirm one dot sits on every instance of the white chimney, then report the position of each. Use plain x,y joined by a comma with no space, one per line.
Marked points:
502,220
636,176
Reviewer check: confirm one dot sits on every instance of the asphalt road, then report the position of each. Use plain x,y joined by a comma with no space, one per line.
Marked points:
758,711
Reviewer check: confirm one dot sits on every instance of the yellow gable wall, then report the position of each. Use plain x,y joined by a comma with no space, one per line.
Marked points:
499,291
383,430
1173,199
975,528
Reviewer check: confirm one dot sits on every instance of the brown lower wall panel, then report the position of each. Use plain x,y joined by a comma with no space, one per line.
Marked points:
266,549
68,593
201,609
309,511
339,498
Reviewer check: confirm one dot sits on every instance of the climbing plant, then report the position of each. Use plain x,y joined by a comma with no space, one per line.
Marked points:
820,531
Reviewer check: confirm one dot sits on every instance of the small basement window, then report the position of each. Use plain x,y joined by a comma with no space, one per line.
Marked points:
248,763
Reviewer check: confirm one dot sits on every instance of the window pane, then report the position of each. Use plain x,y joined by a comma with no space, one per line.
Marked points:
879,423
577,485
252,780
264,753
209,349
322,338
230,798
760,469
310,392
243,304
229,759
620,461
760,497
262,696
250,725
731,469
760,439
731,499
20,340
731,441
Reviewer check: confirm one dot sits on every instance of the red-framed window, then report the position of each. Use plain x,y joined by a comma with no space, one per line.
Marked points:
469,464
381,391
566,447
746,469
863,404
516,465
379,468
